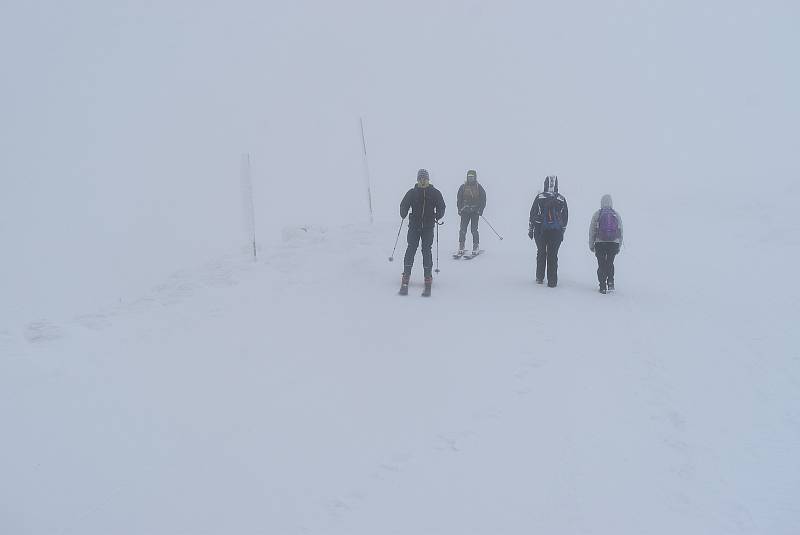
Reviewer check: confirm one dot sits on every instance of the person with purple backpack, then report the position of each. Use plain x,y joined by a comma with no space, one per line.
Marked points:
605,239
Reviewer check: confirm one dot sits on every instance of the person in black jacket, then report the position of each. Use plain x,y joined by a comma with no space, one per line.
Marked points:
471,201
547,223
427,207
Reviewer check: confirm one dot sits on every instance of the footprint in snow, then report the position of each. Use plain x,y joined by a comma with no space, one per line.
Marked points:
525,370
392,466
453,441
42,331
95,322
677,420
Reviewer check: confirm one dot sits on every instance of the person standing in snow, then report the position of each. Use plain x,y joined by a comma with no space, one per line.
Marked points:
471,201
427,208
605,239
546,225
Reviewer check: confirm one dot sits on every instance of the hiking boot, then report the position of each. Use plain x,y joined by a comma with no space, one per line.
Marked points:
428,282
404,284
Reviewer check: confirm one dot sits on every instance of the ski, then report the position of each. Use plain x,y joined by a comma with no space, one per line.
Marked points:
473,254
458,254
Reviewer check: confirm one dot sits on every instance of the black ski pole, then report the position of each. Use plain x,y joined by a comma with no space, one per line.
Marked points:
437,246
391,258
491,227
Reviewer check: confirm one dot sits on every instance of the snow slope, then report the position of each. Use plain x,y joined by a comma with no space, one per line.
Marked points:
300,394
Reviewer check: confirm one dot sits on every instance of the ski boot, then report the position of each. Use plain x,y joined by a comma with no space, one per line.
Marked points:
404,284
428,282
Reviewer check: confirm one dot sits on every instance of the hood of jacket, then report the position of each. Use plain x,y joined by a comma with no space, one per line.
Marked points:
606,202
551,184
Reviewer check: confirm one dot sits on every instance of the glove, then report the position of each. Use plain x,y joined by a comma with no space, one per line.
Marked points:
459,211
530,233
591,248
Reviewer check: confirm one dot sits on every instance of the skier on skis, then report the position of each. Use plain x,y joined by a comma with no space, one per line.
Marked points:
471,201
547,223
605,239
427,208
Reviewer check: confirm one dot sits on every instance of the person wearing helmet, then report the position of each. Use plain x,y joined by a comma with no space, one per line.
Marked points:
605,239
471,201
427,208
546,226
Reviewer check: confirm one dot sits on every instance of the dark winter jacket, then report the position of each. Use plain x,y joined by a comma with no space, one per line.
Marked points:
426,205
550,200
471,198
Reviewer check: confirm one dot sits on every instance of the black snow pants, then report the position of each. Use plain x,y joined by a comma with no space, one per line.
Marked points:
415,234
605,253
547,244
469,218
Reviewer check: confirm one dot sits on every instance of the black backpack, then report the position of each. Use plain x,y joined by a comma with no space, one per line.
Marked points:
552,213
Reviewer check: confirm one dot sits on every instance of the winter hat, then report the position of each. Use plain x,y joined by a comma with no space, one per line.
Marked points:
551,184
473,174
422,174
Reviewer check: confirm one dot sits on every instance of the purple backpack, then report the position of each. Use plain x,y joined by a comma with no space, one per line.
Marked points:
607,225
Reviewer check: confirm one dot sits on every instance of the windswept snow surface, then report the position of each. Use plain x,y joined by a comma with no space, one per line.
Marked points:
300,394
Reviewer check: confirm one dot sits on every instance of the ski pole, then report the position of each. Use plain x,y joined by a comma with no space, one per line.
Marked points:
491,227
391,258
437,246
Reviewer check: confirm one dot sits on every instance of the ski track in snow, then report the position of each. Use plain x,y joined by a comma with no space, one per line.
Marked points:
487,415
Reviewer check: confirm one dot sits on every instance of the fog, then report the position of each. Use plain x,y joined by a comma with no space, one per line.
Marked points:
123,123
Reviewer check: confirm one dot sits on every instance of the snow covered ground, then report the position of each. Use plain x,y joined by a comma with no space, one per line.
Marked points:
300,394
